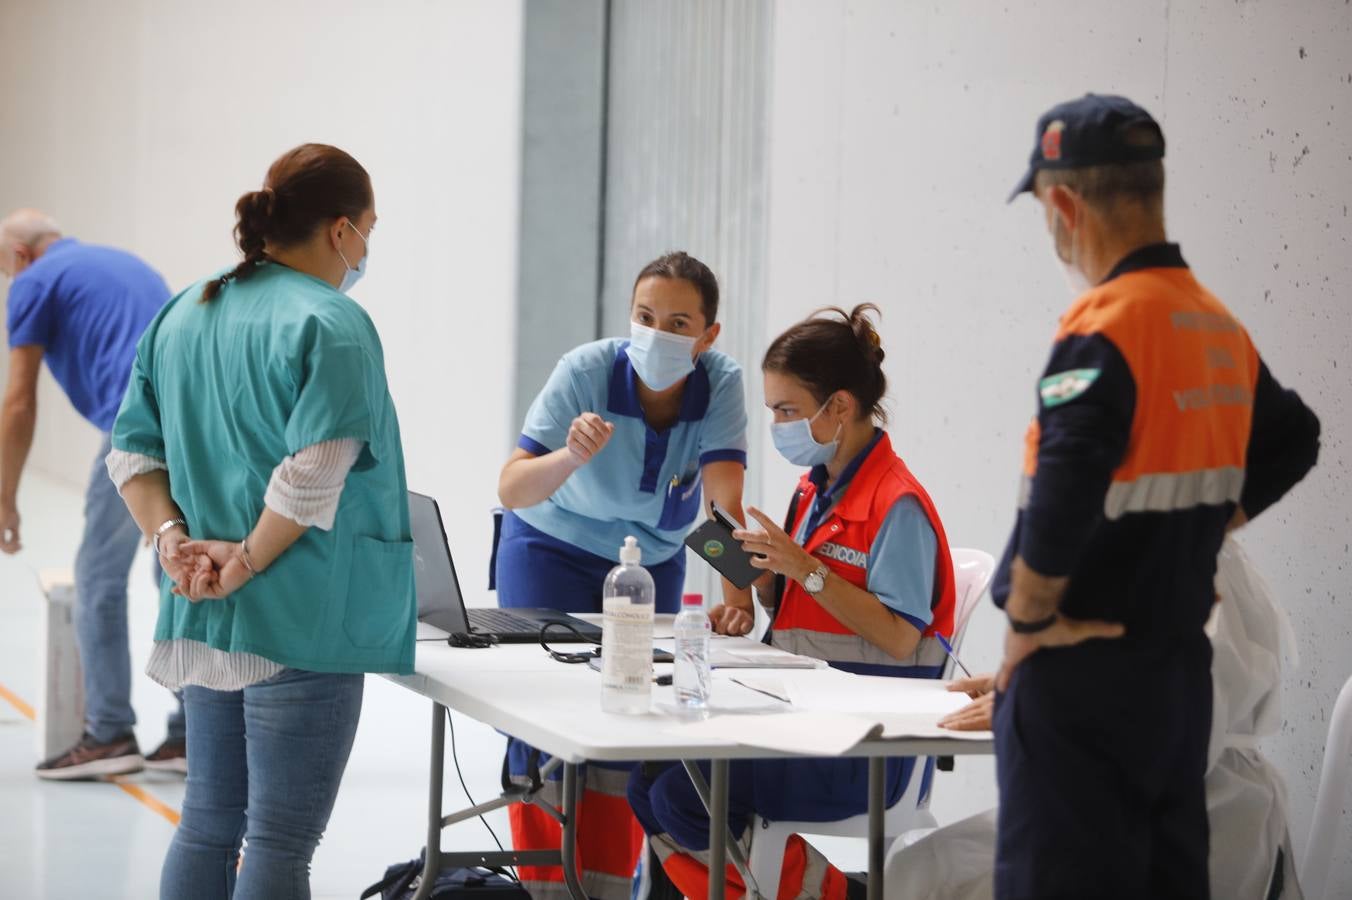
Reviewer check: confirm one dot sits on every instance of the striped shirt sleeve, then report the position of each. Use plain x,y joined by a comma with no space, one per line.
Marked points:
307,486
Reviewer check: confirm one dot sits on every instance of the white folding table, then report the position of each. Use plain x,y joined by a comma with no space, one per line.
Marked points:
520,690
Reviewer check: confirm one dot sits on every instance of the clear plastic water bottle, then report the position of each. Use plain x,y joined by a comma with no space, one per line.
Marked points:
691,680
627,635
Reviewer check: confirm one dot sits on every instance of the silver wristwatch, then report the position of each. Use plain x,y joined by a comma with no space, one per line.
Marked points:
816,580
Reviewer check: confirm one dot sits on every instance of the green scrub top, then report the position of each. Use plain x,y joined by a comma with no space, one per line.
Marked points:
222,392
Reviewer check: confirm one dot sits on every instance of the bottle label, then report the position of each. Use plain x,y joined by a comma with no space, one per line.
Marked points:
626,663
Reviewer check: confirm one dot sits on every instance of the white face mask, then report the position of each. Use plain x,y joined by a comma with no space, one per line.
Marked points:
795,442
1076,281
660,358
353,275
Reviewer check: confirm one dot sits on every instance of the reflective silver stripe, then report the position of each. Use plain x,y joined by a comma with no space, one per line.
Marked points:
851,648
601,886
664,846
1025,491
1171,491
611,782
596,885
814,872
551,792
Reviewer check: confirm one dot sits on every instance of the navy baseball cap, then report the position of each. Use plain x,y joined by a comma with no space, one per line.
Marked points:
1088,132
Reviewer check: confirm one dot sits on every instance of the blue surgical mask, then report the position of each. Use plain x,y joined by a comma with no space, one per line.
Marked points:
660,358
795,442
352,276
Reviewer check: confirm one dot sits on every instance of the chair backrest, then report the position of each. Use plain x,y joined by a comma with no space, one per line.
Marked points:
972,573
1328,805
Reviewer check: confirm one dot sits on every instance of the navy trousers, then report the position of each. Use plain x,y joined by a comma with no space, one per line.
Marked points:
1101,754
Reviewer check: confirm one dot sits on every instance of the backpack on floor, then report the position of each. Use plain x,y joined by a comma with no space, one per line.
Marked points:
401,881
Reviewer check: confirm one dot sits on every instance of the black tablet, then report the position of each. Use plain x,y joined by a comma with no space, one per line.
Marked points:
714,542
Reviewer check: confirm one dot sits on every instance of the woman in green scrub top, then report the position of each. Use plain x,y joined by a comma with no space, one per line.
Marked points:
258,447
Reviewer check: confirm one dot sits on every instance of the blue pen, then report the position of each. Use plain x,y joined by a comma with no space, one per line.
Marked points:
948,648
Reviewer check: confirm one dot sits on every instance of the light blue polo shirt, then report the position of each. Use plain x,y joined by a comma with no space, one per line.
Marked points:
643,482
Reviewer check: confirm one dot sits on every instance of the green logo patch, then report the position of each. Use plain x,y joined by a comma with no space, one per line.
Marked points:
1066,386
713,549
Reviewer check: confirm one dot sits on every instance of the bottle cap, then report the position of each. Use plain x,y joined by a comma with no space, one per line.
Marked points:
692,600
630,552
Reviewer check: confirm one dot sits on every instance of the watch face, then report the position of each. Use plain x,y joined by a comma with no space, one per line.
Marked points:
814,582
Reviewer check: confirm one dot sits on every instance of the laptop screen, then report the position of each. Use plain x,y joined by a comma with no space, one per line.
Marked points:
434,574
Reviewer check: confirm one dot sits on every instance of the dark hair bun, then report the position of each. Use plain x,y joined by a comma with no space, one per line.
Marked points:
834,350
254,210
866,333
257,206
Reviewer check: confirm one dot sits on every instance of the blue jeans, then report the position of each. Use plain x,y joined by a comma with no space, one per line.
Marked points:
102,566
266,765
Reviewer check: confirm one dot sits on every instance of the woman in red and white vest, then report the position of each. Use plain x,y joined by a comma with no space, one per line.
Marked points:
868,585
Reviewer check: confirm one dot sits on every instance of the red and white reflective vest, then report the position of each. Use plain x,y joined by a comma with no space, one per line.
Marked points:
842,543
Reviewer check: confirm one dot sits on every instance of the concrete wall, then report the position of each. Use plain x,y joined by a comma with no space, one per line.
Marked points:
138,124
686,168
897,130
562,188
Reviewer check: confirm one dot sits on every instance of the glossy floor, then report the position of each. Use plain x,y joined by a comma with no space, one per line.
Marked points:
107,840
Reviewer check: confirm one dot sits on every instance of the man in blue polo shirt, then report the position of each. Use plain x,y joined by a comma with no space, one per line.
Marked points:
82,308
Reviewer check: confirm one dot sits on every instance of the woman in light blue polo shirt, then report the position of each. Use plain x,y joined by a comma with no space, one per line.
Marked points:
258,446
627,438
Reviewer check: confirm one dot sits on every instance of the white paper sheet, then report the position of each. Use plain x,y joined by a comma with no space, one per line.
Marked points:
809,733
830,711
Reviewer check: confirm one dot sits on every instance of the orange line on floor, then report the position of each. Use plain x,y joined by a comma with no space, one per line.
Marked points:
131,790
150,802
24,709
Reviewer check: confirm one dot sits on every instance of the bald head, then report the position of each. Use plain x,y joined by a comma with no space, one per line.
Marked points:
24,235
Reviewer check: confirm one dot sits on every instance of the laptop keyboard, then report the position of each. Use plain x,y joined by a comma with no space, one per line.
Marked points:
501,621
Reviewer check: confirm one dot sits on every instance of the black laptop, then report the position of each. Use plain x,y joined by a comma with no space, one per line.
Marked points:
441,604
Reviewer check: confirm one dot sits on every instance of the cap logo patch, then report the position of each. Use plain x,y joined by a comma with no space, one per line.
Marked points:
1051,140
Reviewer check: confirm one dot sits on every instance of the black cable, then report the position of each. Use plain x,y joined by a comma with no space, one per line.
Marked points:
455,757
568,658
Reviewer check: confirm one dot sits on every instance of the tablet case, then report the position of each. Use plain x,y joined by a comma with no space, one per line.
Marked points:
714,542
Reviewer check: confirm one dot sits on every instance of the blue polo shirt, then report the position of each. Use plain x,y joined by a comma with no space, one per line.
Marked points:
86,306
643,482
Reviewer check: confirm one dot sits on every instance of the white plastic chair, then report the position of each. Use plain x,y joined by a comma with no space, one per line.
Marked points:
972,571
1326,825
